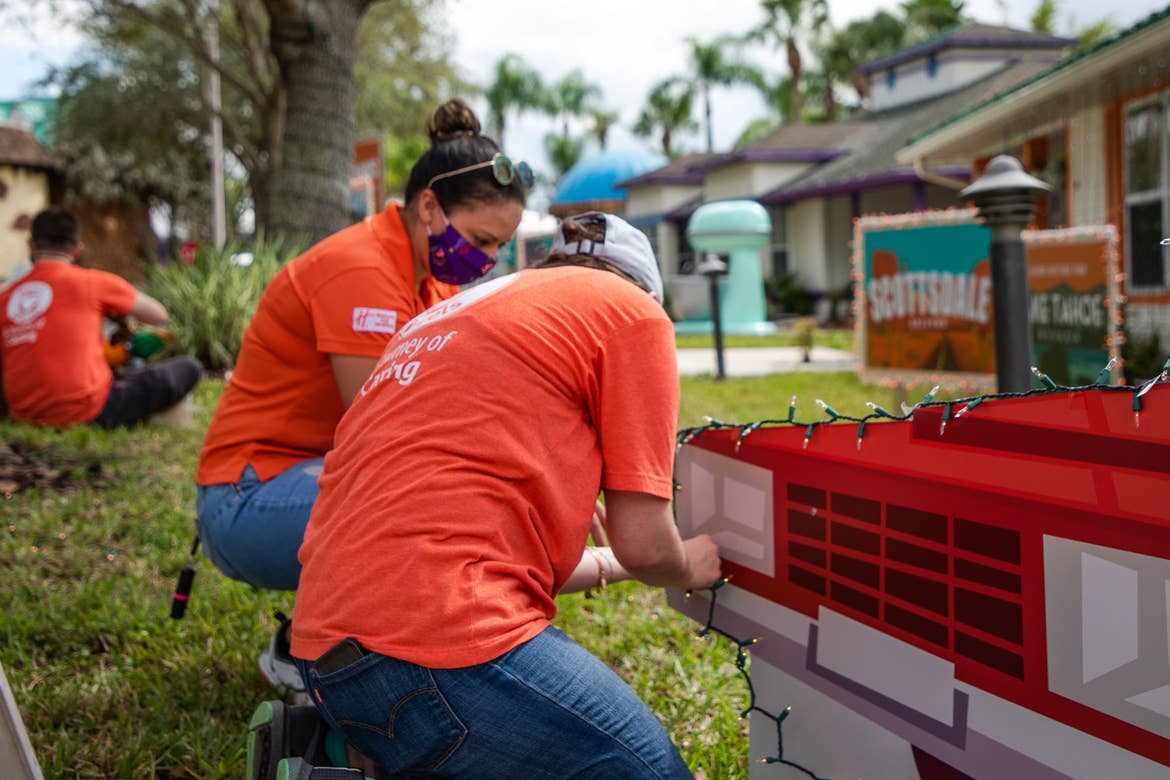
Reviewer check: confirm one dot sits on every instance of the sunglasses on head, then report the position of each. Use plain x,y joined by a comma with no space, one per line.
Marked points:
504,171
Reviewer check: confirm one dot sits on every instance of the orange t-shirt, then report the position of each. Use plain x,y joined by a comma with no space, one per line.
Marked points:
346,296
458,498
55,370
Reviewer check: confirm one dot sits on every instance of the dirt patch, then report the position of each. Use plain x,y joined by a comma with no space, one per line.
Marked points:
22,466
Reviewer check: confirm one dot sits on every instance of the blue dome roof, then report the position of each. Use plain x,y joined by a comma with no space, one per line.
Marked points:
592,178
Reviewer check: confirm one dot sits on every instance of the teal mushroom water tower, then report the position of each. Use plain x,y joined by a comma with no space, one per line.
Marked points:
737,228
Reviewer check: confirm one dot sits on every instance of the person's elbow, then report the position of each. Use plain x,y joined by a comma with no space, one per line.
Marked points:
643,537
148,310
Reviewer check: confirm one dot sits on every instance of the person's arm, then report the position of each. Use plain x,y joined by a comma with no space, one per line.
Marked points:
148,310
646,541
588,574
351,372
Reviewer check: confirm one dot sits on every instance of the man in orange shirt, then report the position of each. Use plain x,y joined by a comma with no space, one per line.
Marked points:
54,367
456,504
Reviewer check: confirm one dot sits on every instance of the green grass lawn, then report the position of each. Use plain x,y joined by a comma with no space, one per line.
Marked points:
837,338
110,686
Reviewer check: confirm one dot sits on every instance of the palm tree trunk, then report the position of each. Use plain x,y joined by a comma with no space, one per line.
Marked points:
666,141
796,68
707,109
314,44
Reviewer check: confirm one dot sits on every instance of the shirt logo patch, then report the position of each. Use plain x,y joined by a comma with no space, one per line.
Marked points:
29,301
366,320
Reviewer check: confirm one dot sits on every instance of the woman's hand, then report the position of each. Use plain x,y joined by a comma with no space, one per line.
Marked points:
703,564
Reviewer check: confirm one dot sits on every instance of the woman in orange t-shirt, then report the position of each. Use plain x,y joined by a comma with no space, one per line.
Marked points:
318,330
456,506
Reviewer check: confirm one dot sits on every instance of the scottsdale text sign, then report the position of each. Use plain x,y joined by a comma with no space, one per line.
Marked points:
925,303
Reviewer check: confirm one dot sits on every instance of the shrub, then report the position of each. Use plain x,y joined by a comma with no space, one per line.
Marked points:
786,295
805,331
1143,357
211,302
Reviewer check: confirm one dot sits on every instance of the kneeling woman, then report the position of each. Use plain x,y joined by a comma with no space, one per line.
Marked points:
456,506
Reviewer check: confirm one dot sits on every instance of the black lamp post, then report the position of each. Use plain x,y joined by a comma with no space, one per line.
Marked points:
1005,196
712,268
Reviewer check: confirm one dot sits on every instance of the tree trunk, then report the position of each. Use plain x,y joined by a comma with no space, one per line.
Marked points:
796,68
707,109
666,141
314,42
861,84
829,101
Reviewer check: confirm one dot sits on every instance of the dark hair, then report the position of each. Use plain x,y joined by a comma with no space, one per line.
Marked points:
54,230
456,143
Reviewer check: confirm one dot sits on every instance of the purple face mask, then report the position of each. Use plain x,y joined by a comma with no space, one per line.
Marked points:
454,259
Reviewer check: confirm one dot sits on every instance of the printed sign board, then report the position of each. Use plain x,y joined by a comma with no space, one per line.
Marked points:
1072,285
367,178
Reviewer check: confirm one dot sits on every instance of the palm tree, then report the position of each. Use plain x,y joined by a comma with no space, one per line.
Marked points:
710,67
571,97
859,42
516,86
1044,17
563,152
927,18
602,121
667,110
777,95
786,21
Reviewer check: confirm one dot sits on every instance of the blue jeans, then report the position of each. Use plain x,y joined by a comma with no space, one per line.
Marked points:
545,709
252,530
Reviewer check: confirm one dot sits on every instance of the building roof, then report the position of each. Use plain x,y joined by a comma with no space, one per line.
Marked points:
1066,76
594,178
869,151
686,169
19,147
794,143
970,35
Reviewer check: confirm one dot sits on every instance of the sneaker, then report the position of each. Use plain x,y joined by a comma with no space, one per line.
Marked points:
277,666
299,769
277,732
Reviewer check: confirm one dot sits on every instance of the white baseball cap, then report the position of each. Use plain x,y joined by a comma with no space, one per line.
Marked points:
623,246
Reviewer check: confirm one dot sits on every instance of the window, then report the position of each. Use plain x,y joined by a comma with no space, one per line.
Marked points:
932,66
1147,192
651,233
891,78
778,242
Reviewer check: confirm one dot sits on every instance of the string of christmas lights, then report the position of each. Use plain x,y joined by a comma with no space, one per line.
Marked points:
967,404
741,659
950,413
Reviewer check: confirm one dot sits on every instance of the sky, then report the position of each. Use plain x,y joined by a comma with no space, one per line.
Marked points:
623,46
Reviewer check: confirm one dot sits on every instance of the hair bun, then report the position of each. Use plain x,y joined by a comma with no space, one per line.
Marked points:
453,118
575,230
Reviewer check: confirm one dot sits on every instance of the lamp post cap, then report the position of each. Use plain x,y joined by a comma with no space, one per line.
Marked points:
1004,174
